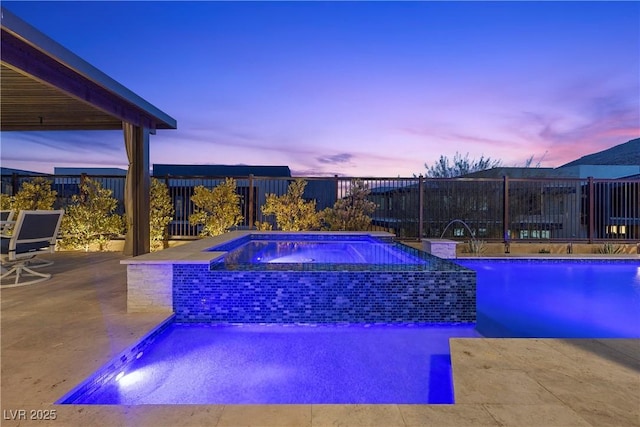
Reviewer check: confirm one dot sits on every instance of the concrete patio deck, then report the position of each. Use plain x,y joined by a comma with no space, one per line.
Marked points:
56,333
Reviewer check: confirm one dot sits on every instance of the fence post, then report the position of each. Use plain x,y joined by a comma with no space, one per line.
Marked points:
251,201
505,209
591,210
14,183
335,178
421,207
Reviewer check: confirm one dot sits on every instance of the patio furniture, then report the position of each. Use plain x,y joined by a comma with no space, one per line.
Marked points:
34,233
6,220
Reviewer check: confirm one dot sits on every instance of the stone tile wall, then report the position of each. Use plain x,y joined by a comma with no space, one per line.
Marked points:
149,287
220,296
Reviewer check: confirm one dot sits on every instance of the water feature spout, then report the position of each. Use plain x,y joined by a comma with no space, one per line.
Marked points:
461,222
475,246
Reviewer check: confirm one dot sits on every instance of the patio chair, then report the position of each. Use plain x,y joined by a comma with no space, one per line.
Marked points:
6,220
34,233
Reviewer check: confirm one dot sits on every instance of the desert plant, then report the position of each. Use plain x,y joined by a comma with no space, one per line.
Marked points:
34,194
477,247
610,248
160,214
350,213
218,210
292,212
90,218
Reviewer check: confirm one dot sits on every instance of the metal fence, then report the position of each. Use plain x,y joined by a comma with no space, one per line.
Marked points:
492,209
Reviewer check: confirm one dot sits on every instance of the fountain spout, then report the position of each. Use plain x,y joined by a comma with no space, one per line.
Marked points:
461,222
475,246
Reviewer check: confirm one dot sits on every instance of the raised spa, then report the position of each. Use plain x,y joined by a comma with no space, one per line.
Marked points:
322,278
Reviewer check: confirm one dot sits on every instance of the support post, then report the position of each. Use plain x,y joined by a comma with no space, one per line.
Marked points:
505,209
142,240
421,206
591,210
251,202
138,240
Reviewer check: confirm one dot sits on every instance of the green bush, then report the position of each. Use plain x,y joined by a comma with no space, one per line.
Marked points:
350,213
6,202
160,214
33,194
218,210
292,212
90,218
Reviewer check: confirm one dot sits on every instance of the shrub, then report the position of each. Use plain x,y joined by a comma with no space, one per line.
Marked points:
292,212
34,194
6,202
218,210
160,214
90,218
477,247
351,213
610,248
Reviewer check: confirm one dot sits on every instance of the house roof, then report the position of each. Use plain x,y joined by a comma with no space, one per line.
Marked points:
220,170
515,172
622,154
47,87
11,171
89,171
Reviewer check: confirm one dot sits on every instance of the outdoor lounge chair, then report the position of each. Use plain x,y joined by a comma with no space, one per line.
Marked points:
34,233
6,220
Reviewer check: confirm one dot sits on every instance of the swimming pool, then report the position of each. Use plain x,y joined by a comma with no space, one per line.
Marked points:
282,364
364,363
557,298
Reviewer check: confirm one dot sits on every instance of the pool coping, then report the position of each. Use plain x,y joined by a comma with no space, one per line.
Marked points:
196,252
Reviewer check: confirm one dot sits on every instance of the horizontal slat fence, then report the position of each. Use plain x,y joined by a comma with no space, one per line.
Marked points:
492,209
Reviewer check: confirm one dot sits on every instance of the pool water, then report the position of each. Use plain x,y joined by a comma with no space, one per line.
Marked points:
271,364
557,299
358,363
321,251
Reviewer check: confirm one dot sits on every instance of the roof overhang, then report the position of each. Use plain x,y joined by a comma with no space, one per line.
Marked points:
44,86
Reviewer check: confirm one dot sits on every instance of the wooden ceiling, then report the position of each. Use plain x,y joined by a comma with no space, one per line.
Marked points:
29,104
44,86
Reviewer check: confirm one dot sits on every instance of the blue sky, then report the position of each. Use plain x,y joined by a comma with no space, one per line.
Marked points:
351,88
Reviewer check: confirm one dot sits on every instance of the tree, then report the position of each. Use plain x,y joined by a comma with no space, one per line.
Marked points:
218,210
351,213
91,218
35,194
160,213
461,166
292,212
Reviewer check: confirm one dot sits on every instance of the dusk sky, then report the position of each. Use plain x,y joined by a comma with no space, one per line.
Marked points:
351,88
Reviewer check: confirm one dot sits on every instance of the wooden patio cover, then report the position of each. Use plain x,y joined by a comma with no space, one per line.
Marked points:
44,86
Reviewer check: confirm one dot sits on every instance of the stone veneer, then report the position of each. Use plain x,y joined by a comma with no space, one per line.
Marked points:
149,287
220,296
441,248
